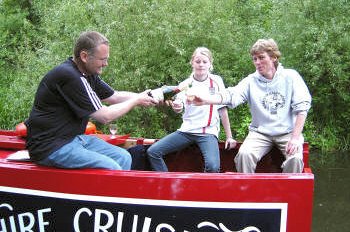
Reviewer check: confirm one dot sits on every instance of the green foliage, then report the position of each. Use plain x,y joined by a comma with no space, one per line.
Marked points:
316,41
152,43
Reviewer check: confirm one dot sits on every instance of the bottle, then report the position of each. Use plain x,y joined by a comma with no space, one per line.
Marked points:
166,92
169,92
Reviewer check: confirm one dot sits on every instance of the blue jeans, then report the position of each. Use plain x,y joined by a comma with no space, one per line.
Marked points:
208,144
86,151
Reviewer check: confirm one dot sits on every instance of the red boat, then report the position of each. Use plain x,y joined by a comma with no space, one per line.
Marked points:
36,198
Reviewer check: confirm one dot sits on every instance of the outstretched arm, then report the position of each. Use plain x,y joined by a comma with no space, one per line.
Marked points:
122,104
198,99
121,96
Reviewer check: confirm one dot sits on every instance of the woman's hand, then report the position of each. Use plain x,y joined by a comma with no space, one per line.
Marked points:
230,143
177,105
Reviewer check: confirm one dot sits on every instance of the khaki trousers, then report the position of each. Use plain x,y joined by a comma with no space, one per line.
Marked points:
257,145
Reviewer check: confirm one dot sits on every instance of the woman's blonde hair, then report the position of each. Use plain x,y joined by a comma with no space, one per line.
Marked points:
205,52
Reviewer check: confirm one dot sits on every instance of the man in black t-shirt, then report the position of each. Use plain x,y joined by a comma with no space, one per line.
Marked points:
66,98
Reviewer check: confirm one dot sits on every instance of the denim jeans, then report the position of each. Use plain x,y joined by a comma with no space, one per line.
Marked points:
208,144
86,151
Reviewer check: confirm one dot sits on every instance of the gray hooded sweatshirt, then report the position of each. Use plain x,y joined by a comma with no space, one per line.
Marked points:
273,103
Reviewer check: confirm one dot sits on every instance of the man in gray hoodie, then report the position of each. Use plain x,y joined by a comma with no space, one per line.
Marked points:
279,101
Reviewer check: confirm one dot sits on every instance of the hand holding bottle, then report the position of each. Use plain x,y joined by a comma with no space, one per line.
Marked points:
164,93
144,99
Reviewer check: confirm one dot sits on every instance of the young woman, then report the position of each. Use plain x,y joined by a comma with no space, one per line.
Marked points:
201,124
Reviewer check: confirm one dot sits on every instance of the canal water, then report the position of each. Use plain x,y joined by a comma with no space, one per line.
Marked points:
331,209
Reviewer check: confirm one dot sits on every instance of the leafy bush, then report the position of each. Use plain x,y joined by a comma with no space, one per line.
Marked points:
152,42
316,41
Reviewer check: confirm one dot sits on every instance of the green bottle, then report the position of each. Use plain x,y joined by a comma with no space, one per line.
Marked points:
169,92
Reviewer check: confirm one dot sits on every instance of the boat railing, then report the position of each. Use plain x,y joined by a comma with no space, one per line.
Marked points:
186,160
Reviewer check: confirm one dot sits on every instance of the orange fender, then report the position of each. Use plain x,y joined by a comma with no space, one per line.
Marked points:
21,129
90,128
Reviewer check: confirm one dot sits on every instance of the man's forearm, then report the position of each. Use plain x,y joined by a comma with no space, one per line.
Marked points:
299,125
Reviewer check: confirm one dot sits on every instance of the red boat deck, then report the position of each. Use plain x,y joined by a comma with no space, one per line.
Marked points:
185,185
177,162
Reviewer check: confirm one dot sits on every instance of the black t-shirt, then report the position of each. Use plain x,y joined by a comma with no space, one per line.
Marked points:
63,103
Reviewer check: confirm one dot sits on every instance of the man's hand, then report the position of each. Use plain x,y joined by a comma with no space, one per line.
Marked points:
196,100
292,146
144,99
199,98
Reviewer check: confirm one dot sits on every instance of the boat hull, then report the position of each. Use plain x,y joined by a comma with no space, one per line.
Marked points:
51,199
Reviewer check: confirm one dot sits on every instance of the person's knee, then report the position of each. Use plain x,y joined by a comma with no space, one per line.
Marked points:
110,166
293,165
295,161
213,168
211,165
242,155
123,161
153,152
239,160
245,161
127,160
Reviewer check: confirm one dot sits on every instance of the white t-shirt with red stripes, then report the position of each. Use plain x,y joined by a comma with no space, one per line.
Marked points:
201,119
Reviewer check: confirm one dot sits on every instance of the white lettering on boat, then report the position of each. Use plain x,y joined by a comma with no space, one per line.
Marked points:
114,214
24,222
97,214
